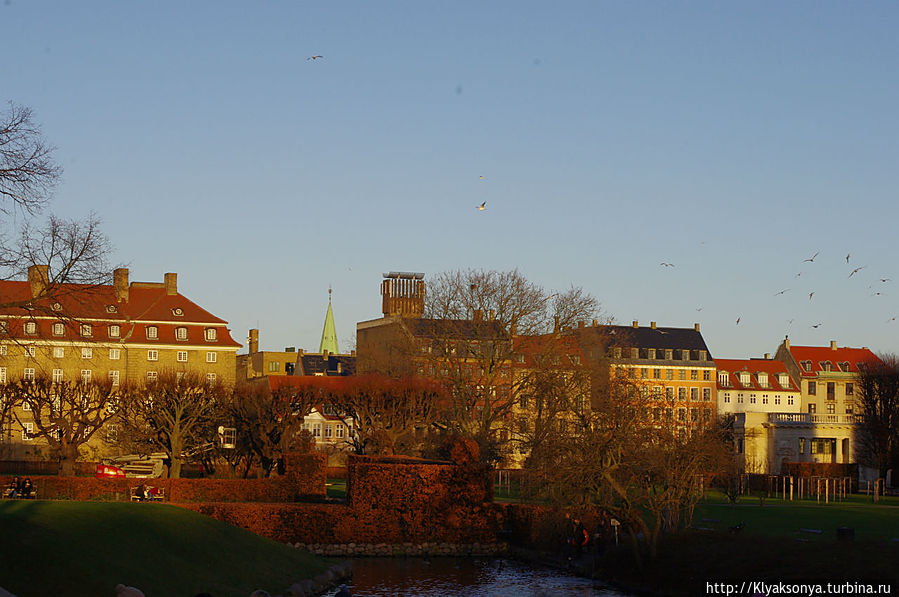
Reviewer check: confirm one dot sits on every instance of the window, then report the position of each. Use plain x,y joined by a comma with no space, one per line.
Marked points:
152,376
783,379
694,374
152,332
806,365
739,398
844,366
726,398
694,394
182,356
2,374
702,355
790,400
802,445
706,375
228,437
274,366
329,431
210,335
850,408
339,430
812,408
831,390
650,353
316,430
850,389
763,379
114,377
59,352
723,378
830,408
27,431
152,355
744,378
682,394
87,330
616,352
28,374
181,333
822,446
114,331
812,388
178,312
706,394
210,379
656,392
211,357
657,373
2,350
682,374
669,373
776,400
114,354
826,365
30,328
112,433
682,415
764,398
58,329
4,327
87,353
86,375
669,354
752,399
694,414
29,351
57,375
644,373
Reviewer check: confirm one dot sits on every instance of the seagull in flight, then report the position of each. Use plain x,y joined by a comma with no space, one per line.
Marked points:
847,257
667,264
315,57
811,259
891,319
482,206
886,280
810,295
856,270
738,320
817,325
797,275
782,291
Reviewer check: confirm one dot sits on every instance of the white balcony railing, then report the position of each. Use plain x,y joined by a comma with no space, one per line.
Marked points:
811,419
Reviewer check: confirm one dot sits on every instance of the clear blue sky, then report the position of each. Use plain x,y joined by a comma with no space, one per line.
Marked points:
731,139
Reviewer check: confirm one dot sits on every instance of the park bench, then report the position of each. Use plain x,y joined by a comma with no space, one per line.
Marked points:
709,524
157,495
805,535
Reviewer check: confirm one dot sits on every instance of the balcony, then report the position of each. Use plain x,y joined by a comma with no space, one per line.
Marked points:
812,419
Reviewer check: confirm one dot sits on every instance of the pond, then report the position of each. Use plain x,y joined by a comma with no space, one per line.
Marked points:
466,577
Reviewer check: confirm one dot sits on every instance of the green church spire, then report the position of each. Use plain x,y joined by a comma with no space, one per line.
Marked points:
329,333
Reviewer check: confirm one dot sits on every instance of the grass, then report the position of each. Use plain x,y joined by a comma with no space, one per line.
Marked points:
84,549
336,488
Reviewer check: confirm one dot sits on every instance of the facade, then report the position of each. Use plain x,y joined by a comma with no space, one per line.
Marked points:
259,363
755,385
820,427
125,332
671,367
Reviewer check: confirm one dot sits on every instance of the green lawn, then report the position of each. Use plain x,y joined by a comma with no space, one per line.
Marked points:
83,549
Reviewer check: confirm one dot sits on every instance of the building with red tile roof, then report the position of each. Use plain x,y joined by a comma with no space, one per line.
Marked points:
757,385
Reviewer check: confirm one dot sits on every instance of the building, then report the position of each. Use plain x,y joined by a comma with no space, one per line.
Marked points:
756,385
259,363
672,367
125,332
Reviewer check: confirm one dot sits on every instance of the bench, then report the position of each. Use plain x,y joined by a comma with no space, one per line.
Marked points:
157,494
805,534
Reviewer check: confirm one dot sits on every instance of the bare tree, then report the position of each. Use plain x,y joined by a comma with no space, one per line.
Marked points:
28,172
878,406
268,423
177,414
66,415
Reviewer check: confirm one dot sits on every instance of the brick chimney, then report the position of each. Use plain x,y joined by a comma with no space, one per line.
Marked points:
120,284
652,324
171,284
696,326
253,340
39,278
833,344
636,323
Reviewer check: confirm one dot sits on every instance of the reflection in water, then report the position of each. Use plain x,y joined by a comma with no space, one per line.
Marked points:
467,577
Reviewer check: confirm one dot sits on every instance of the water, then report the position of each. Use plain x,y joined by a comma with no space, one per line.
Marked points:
465,577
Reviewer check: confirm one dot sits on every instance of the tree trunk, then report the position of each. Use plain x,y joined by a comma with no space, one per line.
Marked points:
67,457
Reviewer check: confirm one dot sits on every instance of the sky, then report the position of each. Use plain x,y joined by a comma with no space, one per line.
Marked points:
731,139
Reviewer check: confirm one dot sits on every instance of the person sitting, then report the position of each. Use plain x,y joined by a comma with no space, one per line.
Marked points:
28,492
12,490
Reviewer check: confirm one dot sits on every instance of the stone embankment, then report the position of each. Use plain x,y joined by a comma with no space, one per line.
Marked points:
403,549
325,581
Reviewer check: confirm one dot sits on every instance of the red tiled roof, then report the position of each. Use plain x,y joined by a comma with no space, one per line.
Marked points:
825,354
147,302
754,366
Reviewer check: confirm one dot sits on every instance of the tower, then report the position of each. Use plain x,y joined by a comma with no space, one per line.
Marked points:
329,332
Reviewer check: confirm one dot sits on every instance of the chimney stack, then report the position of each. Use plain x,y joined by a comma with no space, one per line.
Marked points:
652,324
39,278
171,284
767,356
595,323
696,326
254,340
833,344
580,324
120,284
787,342
636,323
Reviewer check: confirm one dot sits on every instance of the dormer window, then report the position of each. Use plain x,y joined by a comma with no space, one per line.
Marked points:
635,353
210,335
806,365
152,332
650,353
178,312
616,352
112,309
181,333
844,366
30,328
763,380
4,327
702,354
114,331
744,378
56,307
724,378
826,365
783,379
669,354
59,329
87,330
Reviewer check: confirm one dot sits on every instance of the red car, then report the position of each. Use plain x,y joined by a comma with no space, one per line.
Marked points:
107,471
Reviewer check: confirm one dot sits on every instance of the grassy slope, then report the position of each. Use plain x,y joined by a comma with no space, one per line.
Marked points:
84,549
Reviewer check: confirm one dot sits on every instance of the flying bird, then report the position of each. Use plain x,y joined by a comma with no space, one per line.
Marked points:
891,319
856,270
482,206
782,291
480,178
886,280
667,264
817,325
810,295
847,257
812,258
316,57
799,274
699,309
738,320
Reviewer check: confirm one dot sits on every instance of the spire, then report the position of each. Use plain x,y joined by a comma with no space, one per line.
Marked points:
329,333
